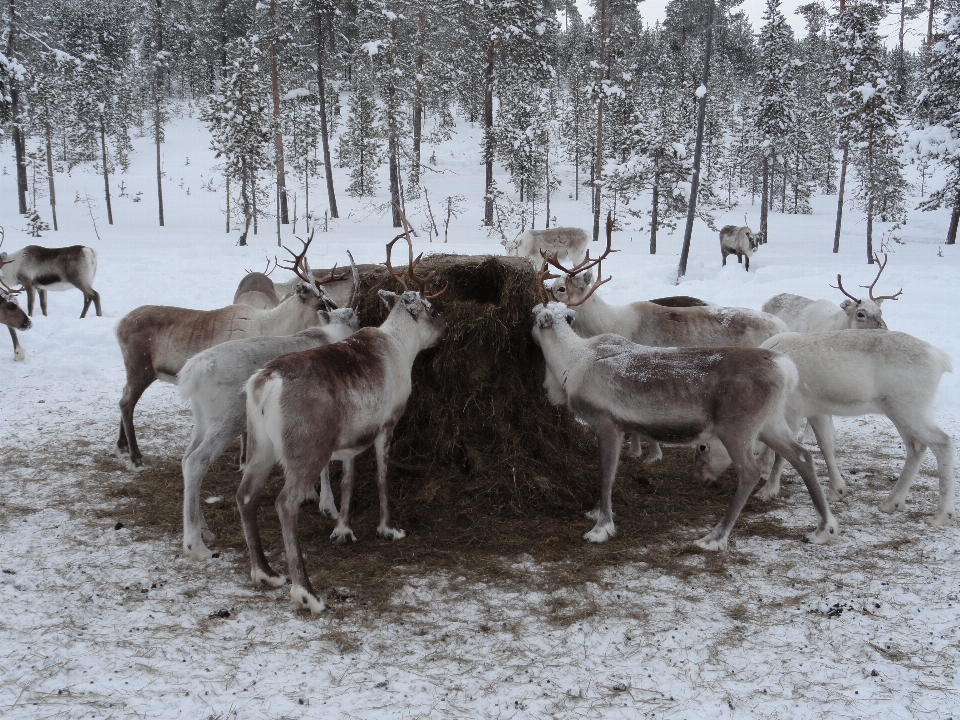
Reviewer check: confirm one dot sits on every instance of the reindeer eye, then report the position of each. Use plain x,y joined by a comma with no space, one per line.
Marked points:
703,448
561,290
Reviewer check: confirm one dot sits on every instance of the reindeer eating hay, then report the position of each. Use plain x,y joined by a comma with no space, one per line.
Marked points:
332,403
13,316
675,395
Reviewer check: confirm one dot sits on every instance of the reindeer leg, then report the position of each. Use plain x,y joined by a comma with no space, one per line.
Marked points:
29,289
243,449
96,301
916,442
747,264
19,354
200,455
748,473
342,532
655,455
128,439
382,446
43,300
822,427
328,506
771,489
611,440
255,477
783,440
299,479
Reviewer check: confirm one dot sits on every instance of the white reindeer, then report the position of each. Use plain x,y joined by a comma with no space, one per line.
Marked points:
212,382
568,244
805,315
656,325
851,374
331,403
157,340
740,241
679,396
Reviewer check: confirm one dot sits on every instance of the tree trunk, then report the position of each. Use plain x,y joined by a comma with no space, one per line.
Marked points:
417,106
929,25
698,149
277,135
765,199
324,133
597,173
228,204
489,143
157,118
655,212
393,141
843,184
106,175
19,144
870,231
547,175
53,192
954,221
245,200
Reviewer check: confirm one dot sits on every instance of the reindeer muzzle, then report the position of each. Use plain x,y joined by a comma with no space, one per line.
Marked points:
27,324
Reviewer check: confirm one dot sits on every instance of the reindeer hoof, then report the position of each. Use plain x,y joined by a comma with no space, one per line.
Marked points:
196,550
711,544
944,517
261,577
838,495
767,493
891,506
601,533
306,600
592,514
20,355
823,535
312,496
343,536
207,534
388,533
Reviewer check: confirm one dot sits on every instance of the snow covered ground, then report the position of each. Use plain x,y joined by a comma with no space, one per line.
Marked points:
94,623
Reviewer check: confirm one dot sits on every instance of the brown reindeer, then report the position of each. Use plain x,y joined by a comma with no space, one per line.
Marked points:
331,403
42,269
257,290
157,340
12,315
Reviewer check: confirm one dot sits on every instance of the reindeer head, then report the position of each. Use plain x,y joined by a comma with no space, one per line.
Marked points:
865,313
342,316
310,289
576,285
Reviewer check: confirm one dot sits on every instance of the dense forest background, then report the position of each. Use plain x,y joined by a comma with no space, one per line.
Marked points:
665,121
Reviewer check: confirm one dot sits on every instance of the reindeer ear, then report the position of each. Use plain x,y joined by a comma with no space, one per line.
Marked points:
389,298
3,257
846,304
569,315
412,303
587,277
305,292
324,316
878,301
542,317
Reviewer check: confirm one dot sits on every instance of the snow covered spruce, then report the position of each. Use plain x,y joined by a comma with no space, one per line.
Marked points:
331,403
156,340
212,382
858,373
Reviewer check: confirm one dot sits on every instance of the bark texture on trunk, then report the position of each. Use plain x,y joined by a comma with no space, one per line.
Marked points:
954,221
106,175
324,133
277,135
489,143
53,192
598,160
843,184
19,143
655,212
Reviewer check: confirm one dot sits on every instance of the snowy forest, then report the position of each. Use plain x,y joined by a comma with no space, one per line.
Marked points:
643,115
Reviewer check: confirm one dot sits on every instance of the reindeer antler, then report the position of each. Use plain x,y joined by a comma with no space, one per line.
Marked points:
839,286
4,288
410,273
267,270
543,276
880,272
586,264
301,268
356,279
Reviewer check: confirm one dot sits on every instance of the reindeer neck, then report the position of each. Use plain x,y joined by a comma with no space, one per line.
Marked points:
596,317
401,328
287,317
562,349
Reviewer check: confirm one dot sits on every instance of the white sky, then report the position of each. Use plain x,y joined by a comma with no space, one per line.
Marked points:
653,10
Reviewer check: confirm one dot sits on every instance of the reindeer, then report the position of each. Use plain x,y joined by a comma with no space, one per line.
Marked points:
12,315
740,241
851,374
340,289
567,243
42,269
257,290
805,315
674,395
157,340
656,324
212,382
331,403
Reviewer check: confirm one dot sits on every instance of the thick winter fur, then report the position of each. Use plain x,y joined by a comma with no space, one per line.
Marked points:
675,395
256,290
340,290
212,382
569,244
157,340
330,403
869,372
656,325
805,315
740,241
13,316
42,269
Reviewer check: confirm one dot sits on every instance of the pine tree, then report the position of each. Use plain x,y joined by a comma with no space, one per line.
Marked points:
361,143
939,111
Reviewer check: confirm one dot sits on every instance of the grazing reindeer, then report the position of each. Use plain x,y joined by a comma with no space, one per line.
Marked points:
257,290
674,395
212,382
41,269
342,289
873,371
331,403
13,316
567,243
657,324
157,340
740,241
805,315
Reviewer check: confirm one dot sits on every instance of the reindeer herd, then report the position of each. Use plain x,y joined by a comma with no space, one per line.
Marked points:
287,369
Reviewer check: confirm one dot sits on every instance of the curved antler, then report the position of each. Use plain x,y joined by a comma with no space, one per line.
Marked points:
879,272
839,286
410,273
586,264
267,270
542,276
300,267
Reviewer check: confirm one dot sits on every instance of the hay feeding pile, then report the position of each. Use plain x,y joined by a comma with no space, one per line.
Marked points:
482,467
